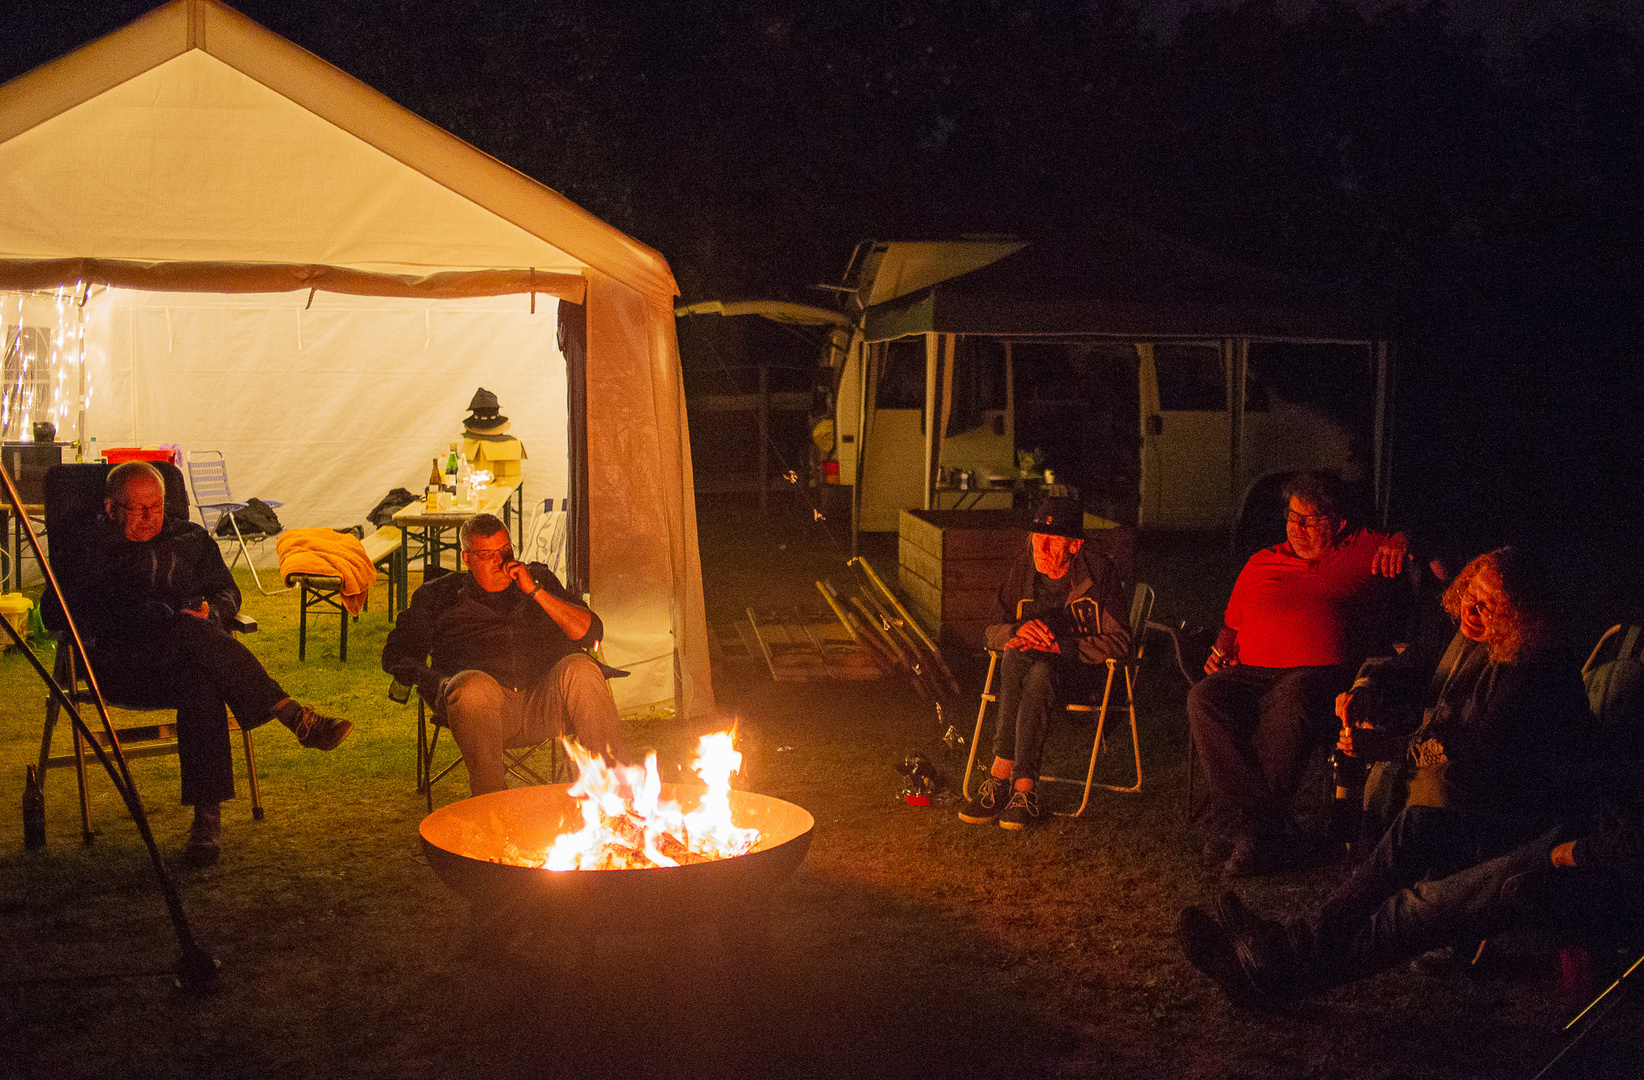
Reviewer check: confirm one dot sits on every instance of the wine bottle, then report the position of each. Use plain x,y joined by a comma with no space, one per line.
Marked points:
431,497
1348,774
34,811
451,471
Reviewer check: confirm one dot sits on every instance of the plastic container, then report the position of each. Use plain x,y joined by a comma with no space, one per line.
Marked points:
15,608
116,454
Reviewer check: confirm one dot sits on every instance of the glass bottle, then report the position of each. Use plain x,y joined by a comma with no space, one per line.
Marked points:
431,497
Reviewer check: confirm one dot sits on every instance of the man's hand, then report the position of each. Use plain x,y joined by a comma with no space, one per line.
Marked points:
201,612
1035,636
1389,558
1344,741
1218,660
1564,854
522,577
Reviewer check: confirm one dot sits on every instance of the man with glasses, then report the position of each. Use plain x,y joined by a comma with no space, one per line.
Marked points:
157,611
500,654
1299,621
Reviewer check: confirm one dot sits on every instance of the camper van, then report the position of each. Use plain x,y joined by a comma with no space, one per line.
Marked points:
1168,385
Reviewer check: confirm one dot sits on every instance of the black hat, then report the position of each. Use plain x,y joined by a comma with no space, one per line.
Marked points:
1059,515
486,412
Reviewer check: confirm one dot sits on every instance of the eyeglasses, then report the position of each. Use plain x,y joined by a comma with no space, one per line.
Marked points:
142,510
1307,521
495,557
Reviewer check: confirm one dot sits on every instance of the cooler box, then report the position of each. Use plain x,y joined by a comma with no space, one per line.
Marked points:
117,454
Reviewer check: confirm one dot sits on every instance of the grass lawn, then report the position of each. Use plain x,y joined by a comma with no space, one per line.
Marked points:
907,945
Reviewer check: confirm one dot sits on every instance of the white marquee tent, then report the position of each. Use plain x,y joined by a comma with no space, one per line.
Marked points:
226,243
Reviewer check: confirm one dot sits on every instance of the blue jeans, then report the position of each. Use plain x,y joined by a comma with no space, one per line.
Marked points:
1388,913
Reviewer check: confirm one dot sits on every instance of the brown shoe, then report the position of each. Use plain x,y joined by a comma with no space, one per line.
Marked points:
203,847
320,732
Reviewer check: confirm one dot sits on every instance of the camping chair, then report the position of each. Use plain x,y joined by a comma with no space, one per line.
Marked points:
1141,607
208,479
515,759
74,501
321,591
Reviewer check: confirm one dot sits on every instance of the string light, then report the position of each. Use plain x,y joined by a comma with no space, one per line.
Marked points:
45,377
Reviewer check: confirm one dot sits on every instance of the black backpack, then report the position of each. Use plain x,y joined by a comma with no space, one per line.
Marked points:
255,516
383,513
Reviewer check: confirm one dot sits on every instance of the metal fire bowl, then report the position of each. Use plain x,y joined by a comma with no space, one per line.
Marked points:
465,840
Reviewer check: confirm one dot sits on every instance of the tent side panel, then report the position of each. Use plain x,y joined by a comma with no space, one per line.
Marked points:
323,408
636,530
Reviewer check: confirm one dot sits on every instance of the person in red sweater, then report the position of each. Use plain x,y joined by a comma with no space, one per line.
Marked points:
1300,620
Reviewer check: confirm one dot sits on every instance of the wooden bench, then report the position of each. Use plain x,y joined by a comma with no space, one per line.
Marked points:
318,590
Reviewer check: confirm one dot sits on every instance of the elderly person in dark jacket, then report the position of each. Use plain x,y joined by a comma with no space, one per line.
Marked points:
500,653
1055,650
156,608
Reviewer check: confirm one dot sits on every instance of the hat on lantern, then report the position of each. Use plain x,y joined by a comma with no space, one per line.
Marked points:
485,413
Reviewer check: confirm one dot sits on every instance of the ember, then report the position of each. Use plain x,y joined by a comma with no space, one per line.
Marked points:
626,825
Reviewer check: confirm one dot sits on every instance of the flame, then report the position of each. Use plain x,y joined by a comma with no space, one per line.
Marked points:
626,825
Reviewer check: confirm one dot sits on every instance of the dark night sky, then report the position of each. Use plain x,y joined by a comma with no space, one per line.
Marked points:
1484,193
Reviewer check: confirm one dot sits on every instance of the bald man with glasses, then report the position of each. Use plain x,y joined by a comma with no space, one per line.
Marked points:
500,652
157,609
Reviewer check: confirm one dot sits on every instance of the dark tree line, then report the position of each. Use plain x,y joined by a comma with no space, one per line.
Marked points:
1488,202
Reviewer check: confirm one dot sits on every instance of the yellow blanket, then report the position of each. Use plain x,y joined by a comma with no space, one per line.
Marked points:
329,553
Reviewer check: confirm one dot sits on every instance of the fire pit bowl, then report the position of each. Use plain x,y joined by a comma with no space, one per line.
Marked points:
466,840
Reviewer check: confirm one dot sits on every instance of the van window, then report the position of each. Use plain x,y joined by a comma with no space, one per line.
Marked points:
1190,378
902,374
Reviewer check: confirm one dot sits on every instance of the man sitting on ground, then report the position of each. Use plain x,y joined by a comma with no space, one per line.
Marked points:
157,608
1056,650
1297,626
507,642
1581,879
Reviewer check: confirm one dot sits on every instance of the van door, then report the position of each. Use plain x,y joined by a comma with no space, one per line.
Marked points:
1186,431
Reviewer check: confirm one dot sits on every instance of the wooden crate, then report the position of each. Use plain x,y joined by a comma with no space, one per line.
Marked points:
950,564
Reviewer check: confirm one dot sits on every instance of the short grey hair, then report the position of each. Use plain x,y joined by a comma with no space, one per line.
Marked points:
121,476
481,526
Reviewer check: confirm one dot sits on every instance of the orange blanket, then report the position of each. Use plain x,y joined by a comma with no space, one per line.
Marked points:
331,554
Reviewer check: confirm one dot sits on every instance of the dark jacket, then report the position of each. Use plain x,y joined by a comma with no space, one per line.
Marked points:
130,589
1092,575
1514,736
507,635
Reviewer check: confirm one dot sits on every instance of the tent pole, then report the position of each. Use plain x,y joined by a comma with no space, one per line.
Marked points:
1238,356
864,350
1381,452
933,375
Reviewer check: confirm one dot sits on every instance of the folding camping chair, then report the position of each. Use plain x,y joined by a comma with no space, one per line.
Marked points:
74,499
515,759
208,479
1141,607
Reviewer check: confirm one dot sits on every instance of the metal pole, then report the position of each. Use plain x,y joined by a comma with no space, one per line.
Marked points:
196,969
863,353
764,435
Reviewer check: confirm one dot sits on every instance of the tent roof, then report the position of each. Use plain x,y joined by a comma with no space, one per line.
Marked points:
247,148
1118,279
